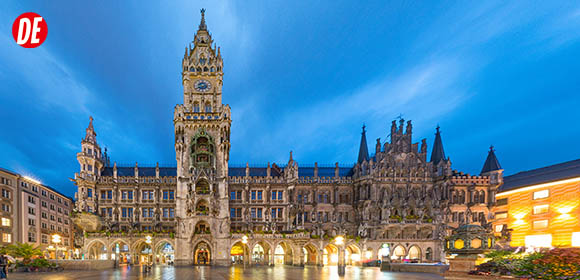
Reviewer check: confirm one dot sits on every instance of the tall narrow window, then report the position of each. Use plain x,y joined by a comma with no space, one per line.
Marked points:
207,107
196,107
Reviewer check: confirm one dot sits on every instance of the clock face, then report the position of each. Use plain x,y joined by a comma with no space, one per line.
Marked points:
202,85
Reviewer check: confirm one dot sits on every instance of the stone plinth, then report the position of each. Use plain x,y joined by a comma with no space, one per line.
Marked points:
85,264
462,263
414,267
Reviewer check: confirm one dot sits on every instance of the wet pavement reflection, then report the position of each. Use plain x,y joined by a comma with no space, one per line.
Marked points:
235,272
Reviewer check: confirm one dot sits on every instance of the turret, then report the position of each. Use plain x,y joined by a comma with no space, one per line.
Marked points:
90,158
492,168
363,151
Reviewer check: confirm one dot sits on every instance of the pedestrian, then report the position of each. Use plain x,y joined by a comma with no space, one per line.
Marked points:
3,264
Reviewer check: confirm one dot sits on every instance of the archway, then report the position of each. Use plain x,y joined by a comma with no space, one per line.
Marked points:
202,254
429,254
239,253
202,208
202,187
261,253
384,251
399,253
120,252
97,251
310,254
165,253
202,227
330,255
352,255
414,253
283,254
145,253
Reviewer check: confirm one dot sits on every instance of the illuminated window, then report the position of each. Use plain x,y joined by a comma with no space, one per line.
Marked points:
540,224
5,222
576,239
541,194
541,209
541,240
498,228
6,237
501,215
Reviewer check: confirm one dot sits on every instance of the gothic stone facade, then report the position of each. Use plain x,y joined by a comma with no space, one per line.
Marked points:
397,198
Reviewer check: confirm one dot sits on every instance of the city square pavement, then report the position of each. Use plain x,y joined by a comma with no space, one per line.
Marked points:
278,273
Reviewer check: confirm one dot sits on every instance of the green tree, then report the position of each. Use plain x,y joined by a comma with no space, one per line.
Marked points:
24,251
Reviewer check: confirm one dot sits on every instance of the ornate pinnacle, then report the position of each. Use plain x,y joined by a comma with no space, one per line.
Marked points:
202,25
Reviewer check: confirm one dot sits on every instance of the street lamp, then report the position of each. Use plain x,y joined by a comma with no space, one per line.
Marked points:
56,240
148,240
339,241
244,242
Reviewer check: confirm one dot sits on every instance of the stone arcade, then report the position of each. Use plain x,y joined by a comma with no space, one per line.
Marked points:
395,204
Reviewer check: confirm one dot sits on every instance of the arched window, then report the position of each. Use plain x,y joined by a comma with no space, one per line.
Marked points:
196,107
476,197
212,69
191,69
429,254
207,107
482,197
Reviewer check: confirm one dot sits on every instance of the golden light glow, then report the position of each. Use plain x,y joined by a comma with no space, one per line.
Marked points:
476,243
244,239
339,240
565,210
148,239
32,180
459,244
533,187
56,238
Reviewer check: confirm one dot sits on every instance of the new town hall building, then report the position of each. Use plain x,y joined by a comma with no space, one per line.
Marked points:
399,203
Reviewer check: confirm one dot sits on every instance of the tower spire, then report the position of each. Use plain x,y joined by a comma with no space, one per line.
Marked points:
438,153
491,162
202,25
363,151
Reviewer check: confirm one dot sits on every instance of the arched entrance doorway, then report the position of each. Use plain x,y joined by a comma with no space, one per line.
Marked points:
120,252
165,254
97,251
352,255
239,253
384,251
202,254
144,253
414,253
330,255
283,254
399,253
429,254
310,254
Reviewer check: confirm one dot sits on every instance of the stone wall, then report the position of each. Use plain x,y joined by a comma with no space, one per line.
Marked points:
85,264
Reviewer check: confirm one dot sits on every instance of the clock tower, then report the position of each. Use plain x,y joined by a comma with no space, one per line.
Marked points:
202,146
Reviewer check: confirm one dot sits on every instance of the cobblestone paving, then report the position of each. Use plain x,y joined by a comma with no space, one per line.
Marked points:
255,273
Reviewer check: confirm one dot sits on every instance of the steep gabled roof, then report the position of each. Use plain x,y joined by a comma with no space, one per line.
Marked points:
363,150
438,153
491,163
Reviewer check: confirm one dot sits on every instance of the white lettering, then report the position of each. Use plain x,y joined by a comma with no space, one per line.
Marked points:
23,36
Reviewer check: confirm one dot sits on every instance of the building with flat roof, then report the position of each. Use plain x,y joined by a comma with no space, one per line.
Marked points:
540,207
36,214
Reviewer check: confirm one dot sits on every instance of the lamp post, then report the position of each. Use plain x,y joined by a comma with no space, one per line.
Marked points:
148,240
56,240
339,241
244,242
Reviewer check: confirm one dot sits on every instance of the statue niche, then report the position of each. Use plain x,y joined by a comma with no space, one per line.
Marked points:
202,150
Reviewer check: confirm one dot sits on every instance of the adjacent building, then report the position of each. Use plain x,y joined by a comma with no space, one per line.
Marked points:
36,214
540,207
396,203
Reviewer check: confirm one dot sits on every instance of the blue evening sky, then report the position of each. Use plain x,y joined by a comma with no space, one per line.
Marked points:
299,75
